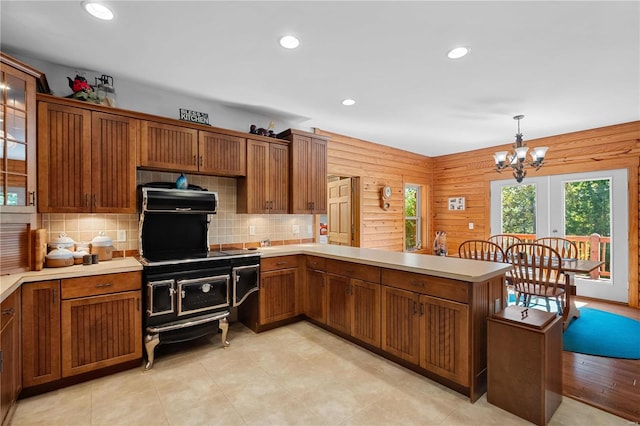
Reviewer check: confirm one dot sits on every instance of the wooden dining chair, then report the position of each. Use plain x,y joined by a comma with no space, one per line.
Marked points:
504,240
537,272
566,248
481,250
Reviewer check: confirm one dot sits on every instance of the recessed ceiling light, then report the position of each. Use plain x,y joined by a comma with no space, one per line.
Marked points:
348,102
289,42
98,10
458,52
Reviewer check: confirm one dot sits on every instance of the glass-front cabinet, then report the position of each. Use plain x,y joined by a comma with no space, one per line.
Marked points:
17,136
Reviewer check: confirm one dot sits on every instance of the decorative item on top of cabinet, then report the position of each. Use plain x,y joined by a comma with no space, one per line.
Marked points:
18,136
265,188
308,165
86,158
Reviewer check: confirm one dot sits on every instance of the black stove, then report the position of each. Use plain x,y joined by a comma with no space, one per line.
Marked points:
188,289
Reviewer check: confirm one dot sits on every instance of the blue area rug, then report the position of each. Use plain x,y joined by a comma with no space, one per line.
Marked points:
601,333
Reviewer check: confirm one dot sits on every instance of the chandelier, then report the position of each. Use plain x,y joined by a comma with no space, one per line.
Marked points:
517,159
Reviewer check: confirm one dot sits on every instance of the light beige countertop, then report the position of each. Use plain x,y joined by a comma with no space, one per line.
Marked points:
439,266
8,283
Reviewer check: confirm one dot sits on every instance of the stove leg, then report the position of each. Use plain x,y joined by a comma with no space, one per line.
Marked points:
150,343
223,324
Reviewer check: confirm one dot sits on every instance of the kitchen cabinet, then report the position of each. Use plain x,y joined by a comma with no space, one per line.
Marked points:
17,136
278,293
185,149
40,333
308,172
77,325
86,159
423,327
265,188
315,290
353,299
10,350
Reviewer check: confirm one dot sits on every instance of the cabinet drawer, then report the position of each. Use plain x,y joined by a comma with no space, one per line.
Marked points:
426,284
101,284
280,262
354,270
317,263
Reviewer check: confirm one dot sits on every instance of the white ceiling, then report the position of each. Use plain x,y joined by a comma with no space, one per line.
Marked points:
565,65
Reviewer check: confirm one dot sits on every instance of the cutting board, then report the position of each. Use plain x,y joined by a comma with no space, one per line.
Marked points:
38,248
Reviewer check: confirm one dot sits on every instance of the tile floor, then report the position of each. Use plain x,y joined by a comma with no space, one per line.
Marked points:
299,374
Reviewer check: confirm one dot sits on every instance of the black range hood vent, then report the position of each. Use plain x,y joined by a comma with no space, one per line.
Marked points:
153,198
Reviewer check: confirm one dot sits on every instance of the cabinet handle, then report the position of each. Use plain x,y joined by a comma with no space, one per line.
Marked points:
415,308
280,263
195,160
86,200
55,295
9,311
421,309
103,285
32,195
417,283
138,303
201,161
95,200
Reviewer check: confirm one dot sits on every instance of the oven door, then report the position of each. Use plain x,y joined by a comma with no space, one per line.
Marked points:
245,282
203,294
160,297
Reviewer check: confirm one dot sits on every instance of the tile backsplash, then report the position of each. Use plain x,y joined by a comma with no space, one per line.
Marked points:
226,227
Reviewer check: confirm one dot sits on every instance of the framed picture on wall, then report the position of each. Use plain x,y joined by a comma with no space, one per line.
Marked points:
456,203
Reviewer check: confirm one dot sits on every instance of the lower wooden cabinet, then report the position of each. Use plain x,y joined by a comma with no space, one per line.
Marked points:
11,371
77,325
401,324
278,295
315,291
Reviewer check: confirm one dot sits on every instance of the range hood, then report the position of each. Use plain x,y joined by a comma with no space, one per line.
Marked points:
154,198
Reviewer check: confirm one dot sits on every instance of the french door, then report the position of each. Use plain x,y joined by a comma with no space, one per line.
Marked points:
574,206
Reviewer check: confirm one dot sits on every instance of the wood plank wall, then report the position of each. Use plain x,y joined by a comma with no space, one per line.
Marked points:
376,166
469,175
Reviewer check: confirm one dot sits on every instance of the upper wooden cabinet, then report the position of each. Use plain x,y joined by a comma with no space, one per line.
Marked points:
265,188
86,159
184,149
308,172
17,136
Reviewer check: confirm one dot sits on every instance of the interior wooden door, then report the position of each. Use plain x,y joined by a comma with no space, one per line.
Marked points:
113,163
339,212
401,324
40,332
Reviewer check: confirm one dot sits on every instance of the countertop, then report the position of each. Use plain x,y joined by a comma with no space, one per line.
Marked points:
8,283
439,266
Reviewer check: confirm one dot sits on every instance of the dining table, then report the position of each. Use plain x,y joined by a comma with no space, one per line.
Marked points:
571,267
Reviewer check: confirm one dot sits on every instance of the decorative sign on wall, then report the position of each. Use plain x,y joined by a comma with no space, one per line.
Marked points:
194,116
456,203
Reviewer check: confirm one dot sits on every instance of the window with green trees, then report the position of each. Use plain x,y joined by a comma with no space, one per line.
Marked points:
518,209
412,214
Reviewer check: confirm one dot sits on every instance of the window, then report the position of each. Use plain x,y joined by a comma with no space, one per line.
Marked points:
412,214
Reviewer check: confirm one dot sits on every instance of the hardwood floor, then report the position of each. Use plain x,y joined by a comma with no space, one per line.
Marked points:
610,384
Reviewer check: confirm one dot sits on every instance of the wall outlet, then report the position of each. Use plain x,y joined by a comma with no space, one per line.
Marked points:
295,229
252,230
470,225
121,235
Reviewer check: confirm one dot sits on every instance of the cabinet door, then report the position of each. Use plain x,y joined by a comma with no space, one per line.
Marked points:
279,178
17,140
222,155
277,295
401,324
113,163
253,191
318,176
339,303
64,153
11,373
167,147
444,333
40,332
315,306
365,311
308,175
100,331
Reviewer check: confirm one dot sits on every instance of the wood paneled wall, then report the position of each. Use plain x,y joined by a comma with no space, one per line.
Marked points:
378,165
469,175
